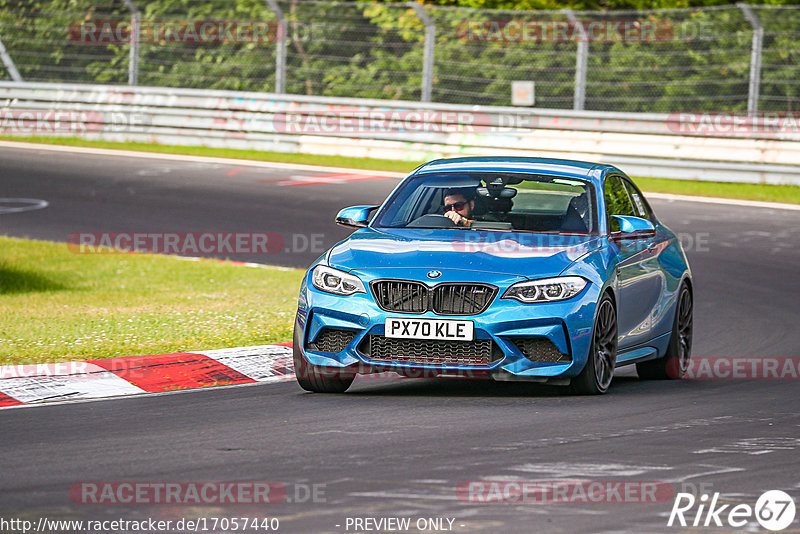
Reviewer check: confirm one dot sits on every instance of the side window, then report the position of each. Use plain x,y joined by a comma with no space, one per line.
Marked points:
639,204
617,201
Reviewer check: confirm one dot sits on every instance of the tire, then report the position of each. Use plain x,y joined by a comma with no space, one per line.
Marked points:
675,362
317,379
596,376
320,380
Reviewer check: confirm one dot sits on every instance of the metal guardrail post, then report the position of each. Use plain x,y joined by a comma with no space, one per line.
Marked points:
755,57
9,63
581,61
428,49
133,61
282,36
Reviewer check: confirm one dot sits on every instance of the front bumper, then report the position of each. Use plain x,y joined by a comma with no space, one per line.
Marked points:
567,325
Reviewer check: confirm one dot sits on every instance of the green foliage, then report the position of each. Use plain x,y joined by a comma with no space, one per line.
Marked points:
592,5
36,34
699,60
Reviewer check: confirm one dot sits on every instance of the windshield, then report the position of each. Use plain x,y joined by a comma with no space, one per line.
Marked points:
492,201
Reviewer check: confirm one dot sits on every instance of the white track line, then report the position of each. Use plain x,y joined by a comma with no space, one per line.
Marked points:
302,167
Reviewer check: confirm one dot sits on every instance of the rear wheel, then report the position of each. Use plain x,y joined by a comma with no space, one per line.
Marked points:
675,363
599,369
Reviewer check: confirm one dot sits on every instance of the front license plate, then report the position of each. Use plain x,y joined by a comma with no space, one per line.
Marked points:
429,329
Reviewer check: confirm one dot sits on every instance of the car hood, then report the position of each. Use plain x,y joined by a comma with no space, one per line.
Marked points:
392,252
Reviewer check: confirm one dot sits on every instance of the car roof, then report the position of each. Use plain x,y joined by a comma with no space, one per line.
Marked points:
551,166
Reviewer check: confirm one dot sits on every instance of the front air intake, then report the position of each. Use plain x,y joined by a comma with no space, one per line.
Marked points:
332,340
540,350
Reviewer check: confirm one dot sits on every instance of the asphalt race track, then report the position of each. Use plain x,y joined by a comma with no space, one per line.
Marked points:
402,448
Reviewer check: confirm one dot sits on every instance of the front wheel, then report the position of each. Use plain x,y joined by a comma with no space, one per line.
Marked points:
314,378
675,363
596,376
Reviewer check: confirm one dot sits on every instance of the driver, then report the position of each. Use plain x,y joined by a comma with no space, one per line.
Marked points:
458,205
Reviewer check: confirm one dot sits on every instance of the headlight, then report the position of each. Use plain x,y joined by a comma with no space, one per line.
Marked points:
336,281
546,290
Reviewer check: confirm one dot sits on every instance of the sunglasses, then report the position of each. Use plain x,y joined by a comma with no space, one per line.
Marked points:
455,205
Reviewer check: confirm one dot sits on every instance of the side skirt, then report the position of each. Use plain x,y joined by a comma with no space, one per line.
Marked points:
643,353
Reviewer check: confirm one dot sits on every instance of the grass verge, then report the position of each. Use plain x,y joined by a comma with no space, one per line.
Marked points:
768,193
56,305
787,194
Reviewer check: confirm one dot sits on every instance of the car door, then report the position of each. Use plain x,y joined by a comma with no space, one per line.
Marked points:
639,279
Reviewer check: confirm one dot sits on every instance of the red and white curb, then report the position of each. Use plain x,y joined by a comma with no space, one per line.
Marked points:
133,375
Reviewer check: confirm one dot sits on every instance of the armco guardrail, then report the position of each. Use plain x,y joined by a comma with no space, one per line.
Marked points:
685,146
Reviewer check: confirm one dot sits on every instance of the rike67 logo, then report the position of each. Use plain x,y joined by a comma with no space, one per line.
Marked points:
774,510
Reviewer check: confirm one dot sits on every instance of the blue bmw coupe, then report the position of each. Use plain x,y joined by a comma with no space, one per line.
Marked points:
505,268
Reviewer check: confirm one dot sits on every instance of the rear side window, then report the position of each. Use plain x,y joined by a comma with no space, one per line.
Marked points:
639,204
617,201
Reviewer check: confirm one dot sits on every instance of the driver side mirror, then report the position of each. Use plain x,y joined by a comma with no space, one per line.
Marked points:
633,228
355,216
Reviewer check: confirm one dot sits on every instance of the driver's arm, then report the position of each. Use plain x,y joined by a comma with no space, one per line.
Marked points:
458,219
